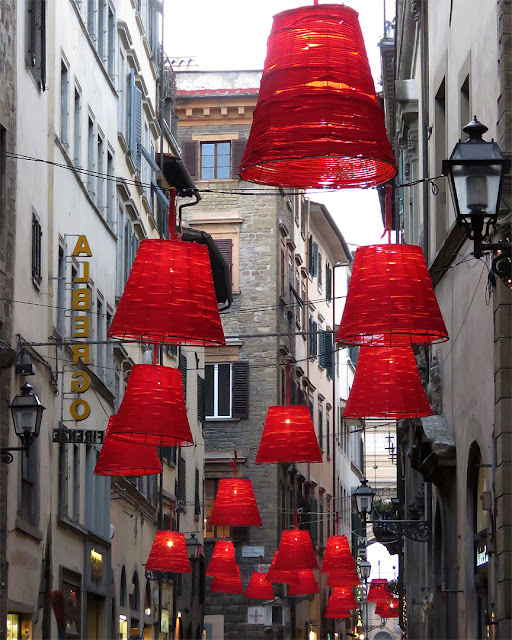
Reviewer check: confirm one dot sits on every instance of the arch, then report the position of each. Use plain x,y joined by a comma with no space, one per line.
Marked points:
134,593
382,635
122,588
148,601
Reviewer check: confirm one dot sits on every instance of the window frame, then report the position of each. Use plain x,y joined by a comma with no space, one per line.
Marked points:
216,168
216,415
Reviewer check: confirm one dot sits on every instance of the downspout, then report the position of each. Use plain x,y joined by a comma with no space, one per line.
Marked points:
420,17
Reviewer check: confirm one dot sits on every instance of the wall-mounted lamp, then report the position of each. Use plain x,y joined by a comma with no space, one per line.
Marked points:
27,413
364,496
475,173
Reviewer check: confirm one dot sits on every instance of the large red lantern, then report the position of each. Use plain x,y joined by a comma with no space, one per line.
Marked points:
317,122
388,609
344,578
223,560
288,436
169,553
396,391
280,576
228,584
153,408
259,588
118,458
169,297
390,300
340,603
235,504
379,592
305,584
295,551
337,554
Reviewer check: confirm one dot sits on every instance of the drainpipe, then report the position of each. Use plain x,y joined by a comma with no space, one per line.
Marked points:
420,17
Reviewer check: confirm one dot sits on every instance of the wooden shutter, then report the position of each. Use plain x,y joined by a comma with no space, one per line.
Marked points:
190,157
197,500
200,399
181,494
328,282
315,258
240,383
237,151
183,369
226,248
311,264
138,130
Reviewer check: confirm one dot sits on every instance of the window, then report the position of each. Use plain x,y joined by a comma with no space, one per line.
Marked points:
91,19
328,432
110,188
121,90
212,531
100,163
197,497
319,269
77,123
313,337
36,41
215,160
37,234
321,522
181,489
225,246
440,154
465,110
328,282
102,9
111,51
312,257
91,166
64,104
100,336
227,390
320,425
326,348
61,294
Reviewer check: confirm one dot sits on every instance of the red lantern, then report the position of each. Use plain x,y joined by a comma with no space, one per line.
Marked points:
259,588
118,458
235,504
344,578
337,610
295,551
228,584
317,122
169,297
306,584
379,591
223,560
388,610
390,300
345,596
153,408
169,553
337,555
396,391
288,436
281,577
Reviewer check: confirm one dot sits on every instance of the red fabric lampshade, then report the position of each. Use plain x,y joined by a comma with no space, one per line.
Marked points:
235,504
223,562
337,555
169,297
387,609
317,123
228,584
153,408
288,436
279,576
259,588
306,584
295,551
169,553
390,300
344,578
344,596
387,385
379,592
118,458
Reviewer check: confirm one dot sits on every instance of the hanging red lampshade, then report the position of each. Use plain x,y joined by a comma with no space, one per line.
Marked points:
317,122
379,592
259,588
344,578
235,504
295,551
396,390
288,436
337,554
223,560
153,408
228,584
169,553
391,300
169,297
279,576
118,458
344,596
388,609
306,584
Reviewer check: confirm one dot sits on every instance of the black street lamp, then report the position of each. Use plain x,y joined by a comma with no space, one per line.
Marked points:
27,413
364,496
475,172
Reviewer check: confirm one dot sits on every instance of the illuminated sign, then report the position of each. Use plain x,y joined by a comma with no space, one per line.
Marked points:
96,566
482,557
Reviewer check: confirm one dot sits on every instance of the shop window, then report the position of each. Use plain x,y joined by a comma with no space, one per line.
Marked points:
212,531
73,607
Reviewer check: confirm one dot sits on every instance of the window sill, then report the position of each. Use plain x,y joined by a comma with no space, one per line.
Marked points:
29,530
213,419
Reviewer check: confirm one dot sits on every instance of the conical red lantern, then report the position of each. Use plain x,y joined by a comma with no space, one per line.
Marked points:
388,609
379,592
259,588
288,436
235,504
118,458
228,584
317,123
337,555
223,562
295,551
279,576
153,408
344,596
169,297
345,578
169,553
390,300
306,584
392,376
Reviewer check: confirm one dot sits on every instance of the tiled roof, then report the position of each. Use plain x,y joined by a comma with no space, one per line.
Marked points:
217,92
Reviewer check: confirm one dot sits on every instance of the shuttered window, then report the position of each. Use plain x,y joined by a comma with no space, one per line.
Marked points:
227,390
215,160
183,369
241,389
135,122
321,425
197,498
36,41
181,492
238,148
190,157
326,355
313,338
328,282
200,399
226,248
37,234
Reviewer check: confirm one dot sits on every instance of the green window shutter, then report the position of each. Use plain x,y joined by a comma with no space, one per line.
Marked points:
181,493
200,399
311,264
240,386
183,369
137,149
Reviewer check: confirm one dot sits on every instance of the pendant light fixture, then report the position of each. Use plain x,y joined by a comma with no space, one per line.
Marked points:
279,576
379,592
295,551
259,588
223,562
305,584
337,555
344,596
390,299
169,553
343,578
153,408
317,122
118,458
228,584
388,609
387,385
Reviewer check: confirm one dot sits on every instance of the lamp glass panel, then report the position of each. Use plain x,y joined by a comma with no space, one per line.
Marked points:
477,188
